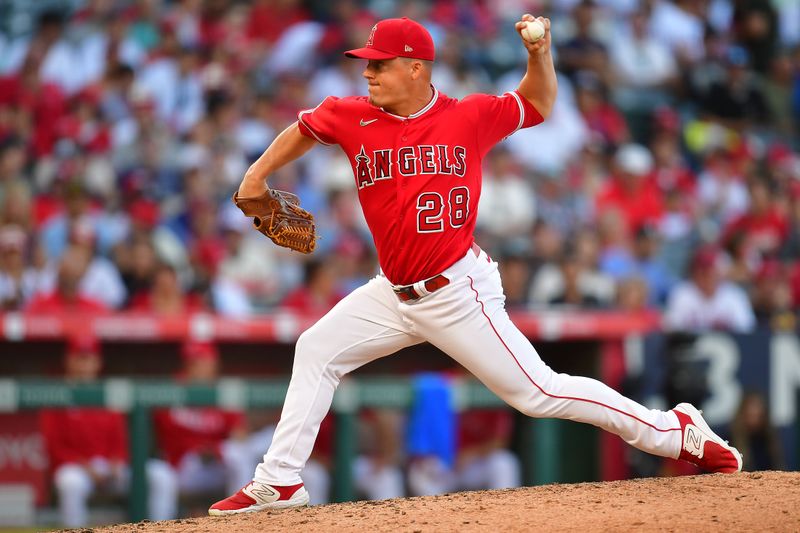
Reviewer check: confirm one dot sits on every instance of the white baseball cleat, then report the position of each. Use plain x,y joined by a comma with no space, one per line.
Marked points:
703,447
257,496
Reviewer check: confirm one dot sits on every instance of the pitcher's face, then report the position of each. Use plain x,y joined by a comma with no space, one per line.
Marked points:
389,81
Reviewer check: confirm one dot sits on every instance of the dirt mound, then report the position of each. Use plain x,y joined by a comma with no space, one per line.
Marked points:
761,501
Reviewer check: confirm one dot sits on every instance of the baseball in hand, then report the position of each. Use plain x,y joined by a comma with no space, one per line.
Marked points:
533,30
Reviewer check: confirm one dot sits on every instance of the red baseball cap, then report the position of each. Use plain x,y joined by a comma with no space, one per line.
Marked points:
194,350
82,344
392,38
705,258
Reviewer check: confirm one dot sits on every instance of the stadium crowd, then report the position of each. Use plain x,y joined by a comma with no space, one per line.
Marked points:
667,176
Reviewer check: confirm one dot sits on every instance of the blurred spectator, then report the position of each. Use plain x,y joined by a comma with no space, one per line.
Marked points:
679,25
754,436
193,440
706,301
677,231
137,263
114,102
572,292
376,470
743,264
507,206
632,294
772,297
16,205
722,191
484,460
560,202
165,296
778,88
101,279
247,261
737,100
142,138
318,293
671,169
144,226
453,75
269,19
19,279
603,119
583,51
641,261
764,227
709,69
13,160
547,244
630,191
644,67
616,254
61,62
68,296
574,278
558,139
755,25
58,231
515,272
88,447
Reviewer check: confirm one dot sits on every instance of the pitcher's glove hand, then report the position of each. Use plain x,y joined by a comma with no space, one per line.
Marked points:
278,215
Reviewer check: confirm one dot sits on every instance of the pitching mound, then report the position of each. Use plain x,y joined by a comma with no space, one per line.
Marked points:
762,501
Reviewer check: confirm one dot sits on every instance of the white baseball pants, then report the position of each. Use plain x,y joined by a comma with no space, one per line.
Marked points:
466,320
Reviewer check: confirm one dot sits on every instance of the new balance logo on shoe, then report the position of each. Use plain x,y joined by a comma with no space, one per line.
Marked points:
261,492
693,440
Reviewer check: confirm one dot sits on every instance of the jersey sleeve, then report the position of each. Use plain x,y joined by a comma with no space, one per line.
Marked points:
497,117
320,123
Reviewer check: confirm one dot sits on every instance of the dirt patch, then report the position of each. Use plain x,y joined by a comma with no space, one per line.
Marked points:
761,501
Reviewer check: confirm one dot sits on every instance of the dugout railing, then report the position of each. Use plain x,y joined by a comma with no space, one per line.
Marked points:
541,461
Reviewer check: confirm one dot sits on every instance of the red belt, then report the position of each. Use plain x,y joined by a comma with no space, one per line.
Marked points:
408,292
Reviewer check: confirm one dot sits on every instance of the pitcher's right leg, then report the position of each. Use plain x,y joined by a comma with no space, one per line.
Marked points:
364,326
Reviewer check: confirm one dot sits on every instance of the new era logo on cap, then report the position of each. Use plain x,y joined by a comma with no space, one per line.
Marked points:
392,38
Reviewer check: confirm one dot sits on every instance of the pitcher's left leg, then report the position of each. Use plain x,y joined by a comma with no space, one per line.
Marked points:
467,320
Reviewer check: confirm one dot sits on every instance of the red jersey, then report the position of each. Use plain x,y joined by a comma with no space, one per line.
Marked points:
763,233
55,303
302,300
638,207
419,177
182,430
78,435
481,426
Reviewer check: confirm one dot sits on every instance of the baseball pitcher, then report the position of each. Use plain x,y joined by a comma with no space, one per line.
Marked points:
416,156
